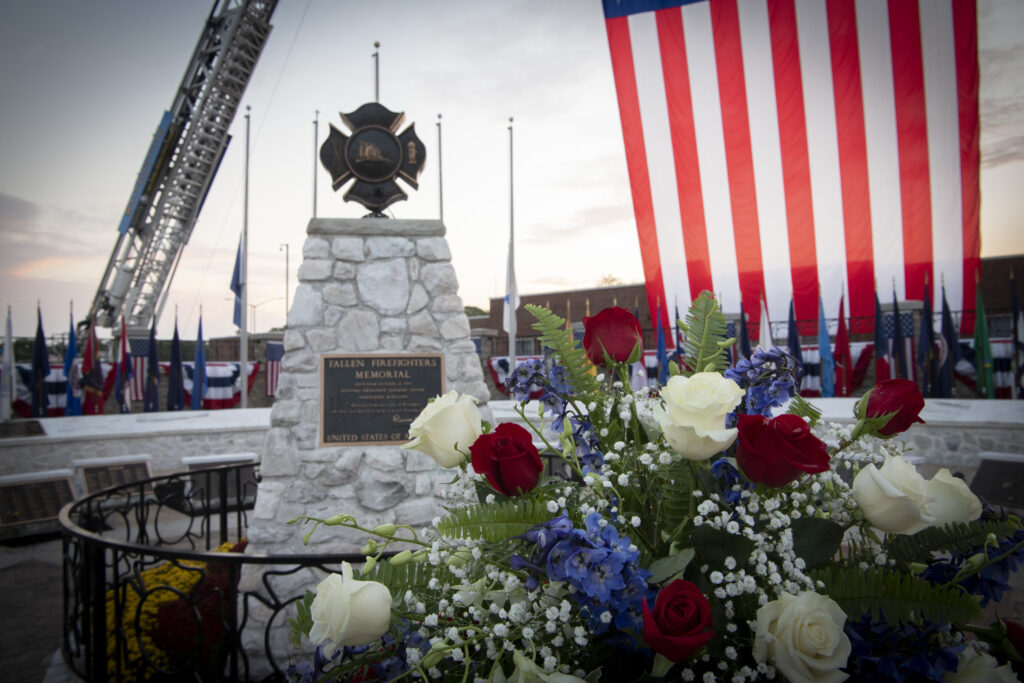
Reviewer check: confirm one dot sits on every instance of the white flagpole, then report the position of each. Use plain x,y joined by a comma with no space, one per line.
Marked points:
243,341
440,174
7,391
765,337
511,291
316,135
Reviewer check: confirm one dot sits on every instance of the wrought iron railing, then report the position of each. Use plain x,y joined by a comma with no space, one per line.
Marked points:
146,597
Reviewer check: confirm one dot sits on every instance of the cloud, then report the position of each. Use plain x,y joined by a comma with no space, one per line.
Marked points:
50,243
16,214
594,222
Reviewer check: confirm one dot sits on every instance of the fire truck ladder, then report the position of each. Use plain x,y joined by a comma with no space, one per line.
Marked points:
183,158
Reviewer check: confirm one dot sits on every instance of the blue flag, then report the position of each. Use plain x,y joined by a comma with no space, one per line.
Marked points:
662,351
151,401
40,369
827,370
949,351
236,285
926,344
175,380
73,402
793,336
199,381
899,352
745,350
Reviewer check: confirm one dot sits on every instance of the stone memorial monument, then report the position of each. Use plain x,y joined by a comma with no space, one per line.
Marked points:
376,327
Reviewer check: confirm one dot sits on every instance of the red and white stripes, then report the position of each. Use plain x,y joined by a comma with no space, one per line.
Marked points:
782,146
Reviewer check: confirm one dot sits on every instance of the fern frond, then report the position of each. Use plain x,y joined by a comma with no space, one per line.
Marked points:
560,340
676,489
414,576
801,407
895,597
956,537
496,522
705,335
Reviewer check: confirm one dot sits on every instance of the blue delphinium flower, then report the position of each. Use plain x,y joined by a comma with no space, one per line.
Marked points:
533,377
770,377
992,581
600,566
728,477
588,446
908,653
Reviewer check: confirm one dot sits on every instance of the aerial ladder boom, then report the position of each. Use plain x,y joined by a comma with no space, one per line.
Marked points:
182,160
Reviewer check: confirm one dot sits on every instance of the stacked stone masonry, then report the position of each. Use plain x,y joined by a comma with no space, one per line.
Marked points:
365,286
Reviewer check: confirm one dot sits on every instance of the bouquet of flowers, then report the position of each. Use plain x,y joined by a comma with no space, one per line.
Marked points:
686,533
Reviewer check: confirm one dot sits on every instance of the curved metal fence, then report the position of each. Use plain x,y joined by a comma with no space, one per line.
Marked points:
150,593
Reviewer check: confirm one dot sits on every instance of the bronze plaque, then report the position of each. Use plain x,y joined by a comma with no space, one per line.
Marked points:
99,477
372,399
34,501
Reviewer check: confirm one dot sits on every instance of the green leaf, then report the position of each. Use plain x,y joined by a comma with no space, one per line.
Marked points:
816,540
895,597
705,332
955,537
669,567
303,620
714,545
496,522
803,408
556,337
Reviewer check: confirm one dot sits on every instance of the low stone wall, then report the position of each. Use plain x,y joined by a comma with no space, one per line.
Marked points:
165,437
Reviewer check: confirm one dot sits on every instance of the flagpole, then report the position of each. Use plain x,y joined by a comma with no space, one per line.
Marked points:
509,303
440,175
243,353
7,391
316,135
376,71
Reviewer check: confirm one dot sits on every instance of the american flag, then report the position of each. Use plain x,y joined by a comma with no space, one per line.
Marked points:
275,352
907,330
776,146
139,351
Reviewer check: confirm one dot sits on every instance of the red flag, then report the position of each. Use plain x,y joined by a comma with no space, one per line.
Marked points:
776,146
92,376
841,354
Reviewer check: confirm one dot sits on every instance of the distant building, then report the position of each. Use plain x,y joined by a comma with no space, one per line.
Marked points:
574,304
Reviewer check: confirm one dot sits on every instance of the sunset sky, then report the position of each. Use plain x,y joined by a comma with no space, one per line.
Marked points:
83,86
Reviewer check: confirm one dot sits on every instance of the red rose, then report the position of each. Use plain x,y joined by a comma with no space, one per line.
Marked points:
1015,636
681,622
508,458
777,451
888,409
900,396
615,333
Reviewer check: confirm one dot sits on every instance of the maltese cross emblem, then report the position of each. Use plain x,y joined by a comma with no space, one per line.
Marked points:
374,155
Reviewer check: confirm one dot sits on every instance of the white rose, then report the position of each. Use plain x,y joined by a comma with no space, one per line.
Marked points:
980,667
446,424
803,636
949,499
693,417
527,671
894,497
349,612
